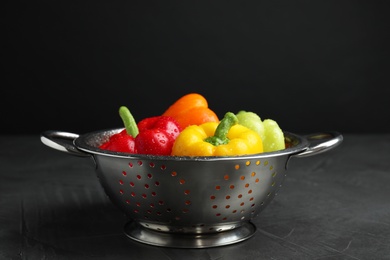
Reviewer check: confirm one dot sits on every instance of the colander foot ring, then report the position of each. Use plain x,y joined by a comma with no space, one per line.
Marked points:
136,232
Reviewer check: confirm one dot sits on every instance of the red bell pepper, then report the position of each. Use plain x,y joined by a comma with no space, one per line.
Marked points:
157,135
120,142
123,141
153,135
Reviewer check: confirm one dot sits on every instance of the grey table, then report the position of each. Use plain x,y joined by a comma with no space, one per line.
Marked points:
334,205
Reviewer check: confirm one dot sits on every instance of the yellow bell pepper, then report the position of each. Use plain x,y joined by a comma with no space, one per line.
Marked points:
228,138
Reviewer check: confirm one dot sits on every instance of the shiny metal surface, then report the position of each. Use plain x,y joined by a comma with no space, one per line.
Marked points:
178,240
213,198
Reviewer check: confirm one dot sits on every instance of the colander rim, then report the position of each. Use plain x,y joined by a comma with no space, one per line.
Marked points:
89,143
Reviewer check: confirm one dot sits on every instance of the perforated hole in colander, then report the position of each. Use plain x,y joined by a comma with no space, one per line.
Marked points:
237,195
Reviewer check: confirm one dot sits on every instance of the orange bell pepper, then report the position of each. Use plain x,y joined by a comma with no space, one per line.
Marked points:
191,109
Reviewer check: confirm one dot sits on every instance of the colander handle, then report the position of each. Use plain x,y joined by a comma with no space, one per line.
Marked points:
62,141
320,142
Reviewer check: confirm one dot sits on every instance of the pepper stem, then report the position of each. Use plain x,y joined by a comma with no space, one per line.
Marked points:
220,135
128,121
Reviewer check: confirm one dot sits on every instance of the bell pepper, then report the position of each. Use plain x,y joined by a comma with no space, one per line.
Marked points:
123,141
269,131
120,142
191,109
157,135
153,135
252,121
274,136
226,138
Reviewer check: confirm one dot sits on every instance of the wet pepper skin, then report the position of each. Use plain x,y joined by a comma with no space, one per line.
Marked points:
157,135
120,142
212,139
191,109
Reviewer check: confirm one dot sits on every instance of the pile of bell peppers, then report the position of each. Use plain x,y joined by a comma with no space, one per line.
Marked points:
190,128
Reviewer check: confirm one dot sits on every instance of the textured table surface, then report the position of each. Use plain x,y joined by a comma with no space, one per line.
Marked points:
334,205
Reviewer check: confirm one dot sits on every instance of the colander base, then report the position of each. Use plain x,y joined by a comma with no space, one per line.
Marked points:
138,233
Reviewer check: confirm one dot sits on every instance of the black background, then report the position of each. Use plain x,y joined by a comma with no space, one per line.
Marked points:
310,65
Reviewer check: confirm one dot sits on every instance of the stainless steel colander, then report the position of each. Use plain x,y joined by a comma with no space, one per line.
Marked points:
189,202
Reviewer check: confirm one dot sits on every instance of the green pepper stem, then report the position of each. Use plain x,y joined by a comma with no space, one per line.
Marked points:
220,135
128,121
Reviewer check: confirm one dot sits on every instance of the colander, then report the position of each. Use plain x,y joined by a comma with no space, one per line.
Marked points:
189,202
